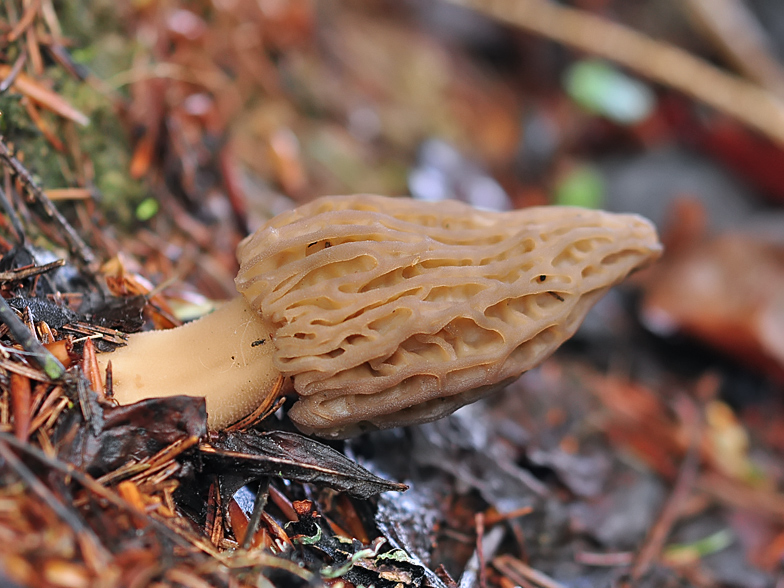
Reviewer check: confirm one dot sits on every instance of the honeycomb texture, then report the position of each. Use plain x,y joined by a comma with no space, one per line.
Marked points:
389,311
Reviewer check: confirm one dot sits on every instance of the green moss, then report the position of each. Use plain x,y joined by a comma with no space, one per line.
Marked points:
18,130
97,41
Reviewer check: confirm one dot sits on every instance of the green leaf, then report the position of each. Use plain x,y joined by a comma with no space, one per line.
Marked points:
147,209
582,186
600,88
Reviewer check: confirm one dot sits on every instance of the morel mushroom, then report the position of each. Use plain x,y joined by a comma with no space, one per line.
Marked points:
388,311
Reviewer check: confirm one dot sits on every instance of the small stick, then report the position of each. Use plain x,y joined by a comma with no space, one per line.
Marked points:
91,369
656,60
109,391
17,367
10,212
42,125
480,551
687,476
486,545
258,507
9,80
24,23
92,418
213,525
28,272
520,572
739,35
34,49
69,194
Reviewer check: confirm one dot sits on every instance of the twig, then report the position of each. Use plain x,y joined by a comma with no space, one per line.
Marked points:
486,546
258,507
69,194
519,572
43,127
213,524
269,405
24,23
87,398
96,332
75,242
480,549
767,503
28,272
684,483
165,457
611,559
9,80
10,212
42,357
34,49
16,367
50,18
653,59
90,368
739,35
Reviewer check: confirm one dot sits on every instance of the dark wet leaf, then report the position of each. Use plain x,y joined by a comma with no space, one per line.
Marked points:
451,445
584,475
130,432
294,457
620,518
123,314
45,310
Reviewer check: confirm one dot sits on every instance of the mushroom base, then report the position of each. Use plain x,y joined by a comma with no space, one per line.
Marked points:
226,357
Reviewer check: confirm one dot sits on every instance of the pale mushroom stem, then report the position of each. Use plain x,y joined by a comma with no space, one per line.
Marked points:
225,357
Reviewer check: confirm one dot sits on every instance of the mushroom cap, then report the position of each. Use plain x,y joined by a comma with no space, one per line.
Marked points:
391,311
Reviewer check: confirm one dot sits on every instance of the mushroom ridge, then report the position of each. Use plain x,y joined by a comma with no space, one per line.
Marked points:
389,311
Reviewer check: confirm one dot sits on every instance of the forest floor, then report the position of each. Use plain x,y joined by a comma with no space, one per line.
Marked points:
142,141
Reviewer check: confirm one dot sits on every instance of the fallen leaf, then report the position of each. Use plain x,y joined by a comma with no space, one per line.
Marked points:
727,291
294,457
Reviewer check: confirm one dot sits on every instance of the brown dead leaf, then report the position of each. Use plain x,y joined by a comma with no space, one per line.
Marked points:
728,292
